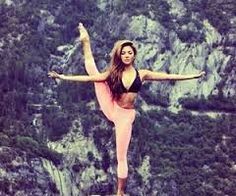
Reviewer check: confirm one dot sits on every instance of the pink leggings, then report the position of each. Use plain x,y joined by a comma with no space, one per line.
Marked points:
121,117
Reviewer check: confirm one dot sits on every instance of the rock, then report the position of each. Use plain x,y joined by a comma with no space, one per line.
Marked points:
177,8
23,176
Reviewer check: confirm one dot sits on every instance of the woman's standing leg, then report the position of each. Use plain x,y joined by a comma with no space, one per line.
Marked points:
102,90
123,136
123,120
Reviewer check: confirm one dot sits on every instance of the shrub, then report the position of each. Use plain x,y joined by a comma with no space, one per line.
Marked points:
4,185
4,140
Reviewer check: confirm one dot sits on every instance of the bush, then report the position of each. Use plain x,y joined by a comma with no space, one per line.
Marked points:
57,124
156,98
34,149
4,186
4,140
6,157
216,103
27,144
77,167
90,156
52,155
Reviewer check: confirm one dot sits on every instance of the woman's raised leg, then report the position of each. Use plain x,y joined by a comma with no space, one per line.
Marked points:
102,90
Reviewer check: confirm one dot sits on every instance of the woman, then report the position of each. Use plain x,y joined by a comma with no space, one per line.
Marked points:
116,90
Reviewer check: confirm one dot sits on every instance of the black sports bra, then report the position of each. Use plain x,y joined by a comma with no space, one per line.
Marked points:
135,87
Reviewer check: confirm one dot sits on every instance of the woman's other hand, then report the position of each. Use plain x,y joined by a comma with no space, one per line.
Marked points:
201,74
55,75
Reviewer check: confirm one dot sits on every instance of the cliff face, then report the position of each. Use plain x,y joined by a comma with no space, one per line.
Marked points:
20,175
70,146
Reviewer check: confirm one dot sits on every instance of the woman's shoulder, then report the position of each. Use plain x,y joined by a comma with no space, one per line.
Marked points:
143,73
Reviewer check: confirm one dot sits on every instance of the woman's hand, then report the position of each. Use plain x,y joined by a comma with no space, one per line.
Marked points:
54,75
201,74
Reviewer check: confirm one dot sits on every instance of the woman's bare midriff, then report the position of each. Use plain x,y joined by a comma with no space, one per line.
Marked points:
127,100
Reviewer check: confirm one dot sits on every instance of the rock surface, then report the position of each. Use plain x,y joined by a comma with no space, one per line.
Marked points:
172,36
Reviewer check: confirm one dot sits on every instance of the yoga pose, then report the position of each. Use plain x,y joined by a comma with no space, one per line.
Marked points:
116,90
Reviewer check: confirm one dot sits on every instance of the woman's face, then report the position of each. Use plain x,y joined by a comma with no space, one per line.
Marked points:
127,55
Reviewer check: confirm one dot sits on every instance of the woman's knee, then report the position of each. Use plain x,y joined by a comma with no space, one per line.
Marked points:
121,158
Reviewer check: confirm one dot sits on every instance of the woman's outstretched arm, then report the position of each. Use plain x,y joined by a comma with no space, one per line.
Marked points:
100,77
152,75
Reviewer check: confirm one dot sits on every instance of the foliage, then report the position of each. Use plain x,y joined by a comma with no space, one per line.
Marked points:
160,10
217,12
4,139
156,98
34,149
188,155
182,148
57,124
4,185
215,103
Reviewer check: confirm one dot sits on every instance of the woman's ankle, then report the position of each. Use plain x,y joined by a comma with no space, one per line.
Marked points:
121,186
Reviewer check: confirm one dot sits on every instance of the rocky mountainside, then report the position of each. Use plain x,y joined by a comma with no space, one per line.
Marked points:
55,140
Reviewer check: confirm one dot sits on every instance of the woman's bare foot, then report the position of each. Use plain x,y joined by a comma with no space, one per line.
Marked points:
84,36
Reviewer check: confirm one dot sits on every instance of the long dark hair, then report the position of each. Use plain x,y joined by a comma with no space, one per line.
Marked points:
117,67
